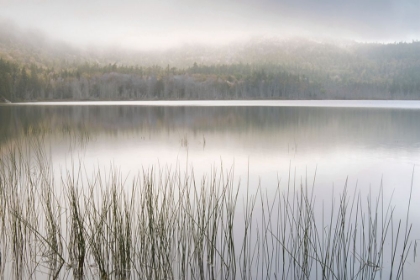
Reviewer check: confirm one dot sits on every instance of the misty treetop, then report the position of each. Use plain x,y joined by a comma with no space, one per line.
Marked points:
297,69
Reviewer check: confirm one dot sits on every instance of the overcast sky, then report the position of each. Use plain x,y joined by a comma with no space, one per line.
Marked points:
166,23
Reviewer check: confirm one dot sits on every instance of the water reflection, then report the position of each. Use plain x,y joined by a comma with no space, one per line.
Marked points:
362,143
368,127
363,146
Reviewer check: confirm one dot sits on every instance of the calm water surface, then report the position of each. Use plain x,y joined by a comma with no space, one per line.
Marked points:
365,143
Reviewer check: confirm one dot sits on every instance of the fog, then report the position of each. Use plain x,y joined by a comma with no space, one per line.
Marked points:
163,24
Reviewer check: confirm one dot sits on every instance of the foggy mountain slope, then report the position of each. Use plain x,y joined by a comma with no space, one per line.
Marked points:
27,47
33,67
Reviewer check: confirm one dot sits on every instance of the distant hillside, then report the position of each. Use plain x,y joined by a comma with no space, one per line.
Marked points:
33,67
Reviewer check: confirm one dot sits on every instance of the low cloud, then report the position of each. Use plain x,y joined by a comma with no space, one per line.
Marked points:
168,23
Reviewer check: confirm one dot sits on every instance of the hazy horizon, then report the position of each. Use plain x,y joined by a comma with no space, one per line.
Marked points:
164,24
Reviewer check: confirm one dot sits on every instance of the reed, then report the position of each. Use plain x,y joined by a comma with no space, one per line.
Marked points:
166,224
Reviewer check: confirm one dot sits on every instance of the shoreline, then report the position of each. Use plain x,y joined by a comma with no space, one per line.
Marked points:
390,104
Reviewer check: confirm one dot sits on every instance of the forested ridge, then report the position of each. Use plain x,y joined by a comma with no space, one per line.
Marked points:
35,69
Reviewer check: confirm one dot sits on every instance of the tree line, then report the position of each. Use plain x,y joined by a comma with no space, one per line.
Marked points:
324,72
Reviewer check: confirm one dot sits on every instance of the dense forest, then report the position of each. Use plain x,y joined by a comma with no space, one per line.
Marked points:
32,68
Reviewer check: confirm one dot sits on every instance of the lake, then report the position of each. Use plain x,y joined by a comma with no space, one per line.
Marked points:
327,145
